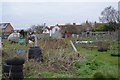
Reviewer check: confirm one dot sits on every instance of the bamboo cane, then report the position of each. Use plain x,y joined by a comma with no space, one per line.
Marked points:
73,46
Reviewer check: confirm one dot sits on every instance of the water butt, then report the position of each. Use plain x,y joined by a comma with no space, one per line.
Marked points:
35,53
13,69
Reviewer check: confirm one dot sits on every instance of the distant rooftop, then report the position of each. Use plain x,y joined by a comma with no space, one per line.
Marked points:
3,25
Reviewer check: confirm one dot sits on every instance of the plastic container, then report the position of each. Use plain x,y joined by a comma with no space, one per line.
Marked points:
35,53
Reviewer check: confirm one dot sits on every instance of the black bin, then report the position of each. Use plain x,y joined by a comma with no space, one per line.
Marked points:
13,69
35,53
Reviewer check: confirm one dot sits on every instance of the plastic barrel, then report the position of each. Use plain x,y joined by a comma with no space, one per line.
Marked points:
35,53
15,61
13,69
12,72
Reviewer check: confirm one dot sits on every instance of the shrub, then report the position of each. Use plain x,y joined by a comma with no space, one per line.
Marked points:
98,75
77,64
103,45
106,27
92,65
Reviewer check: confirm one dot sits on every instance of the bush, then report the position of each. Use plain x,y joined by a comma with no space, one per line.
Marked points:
103,45
107,27
98,75
93,65
77,64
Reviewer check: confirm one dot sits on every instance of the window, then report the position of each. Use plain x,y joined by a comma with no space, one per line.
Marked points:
45,30
56,29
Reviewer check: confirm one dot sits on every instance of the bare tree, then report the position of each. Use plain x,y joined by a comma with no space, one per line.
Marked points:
74,29
37,28
109,14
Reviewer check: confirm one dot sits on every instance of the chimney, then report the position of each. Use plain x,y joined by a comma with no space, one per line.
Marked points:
86,21
56,24
95,22
74,23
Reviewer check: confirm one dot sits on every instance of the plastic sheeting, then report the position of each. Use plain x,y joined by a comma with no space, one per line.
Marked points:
14,37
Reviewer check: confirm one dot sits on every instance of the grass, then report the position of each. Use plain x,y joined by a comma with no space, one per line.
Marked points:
65,63
107,64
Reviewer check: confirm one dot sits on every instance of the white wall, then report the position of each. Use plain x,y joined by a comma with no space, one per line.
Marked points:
53,31
46,31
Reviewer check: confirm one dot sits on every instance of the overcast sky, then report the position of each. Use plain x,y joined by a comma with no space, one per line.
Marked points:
24,14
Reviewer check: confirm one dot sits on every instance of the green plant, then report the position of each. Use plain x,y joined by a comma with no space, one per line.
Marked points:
103,45
99,75
77,64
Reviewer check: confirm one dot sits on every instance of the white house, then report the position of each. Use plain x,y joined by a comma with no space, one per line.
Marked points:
55,31
46,30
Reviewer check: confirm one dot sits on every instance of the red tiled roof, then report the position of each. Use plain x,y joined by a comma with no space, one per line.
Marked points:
60,27
51,27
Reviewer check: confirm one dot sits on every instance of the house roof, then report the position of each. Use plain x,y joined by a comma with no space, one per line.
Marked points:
46,28
51,27
3,25
60,27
